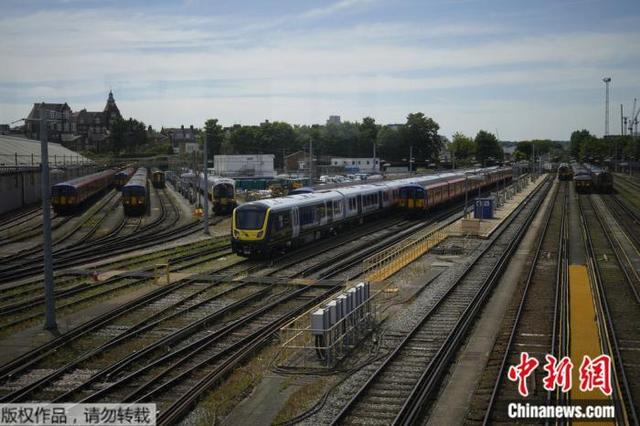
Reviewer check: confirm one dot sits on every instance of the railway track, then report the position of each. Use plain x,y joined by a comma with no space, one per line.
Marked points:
25,311
534,322
626,216
107,246
12,220
616,284
257,337
401,384
93,216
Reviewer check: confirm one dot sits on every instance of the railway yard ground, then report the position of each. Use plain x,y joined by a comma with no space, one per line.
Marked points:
424,318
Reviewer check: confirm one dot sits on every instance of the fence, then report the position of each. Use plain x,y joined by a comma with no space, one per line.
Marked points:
387,262
305,343
16,159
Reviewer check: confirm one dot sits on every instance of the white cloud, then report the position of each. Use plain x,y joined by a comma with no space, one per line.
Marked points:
334,8
177,69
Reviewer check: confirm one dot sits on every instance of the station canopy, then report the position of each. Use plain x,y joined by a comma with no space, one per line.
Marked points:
20,151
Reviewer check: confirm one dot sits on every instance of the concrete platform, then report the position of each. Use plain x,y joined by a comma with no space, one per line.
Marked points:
483,228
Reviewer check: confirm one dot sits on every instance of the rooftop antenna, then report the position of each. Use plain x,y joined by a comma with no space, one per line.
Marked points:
606,81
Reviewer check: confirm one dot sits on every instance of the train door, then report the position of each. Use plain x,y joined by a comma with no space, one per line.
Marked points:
295,222
380,200
359,204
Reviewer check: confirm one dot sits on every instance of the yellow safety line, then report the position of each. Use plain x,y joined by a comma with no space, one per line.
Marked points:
584,334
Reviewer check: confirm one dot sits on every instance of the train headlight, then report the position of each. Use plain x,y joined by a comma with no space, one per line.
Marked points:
236,233
259,234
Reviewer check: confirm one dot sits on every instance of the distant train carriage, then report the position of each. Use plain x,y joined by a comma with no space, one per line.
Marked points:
582,179
426,192
122,177
157,178
565,172
135,194
68,197
222,193
602,180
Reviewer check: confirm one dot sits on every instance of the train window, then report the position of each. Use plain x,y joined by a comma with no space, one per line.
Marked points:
306,215
320,212
250,218
385,196
279,222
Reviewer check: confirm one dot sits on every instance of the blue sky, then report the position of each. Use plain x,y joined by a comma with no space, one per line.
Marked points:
526,69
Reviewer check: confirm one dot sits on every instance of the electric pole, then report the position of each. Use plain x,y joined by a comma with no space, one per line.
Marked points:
607,81
206,188
50,314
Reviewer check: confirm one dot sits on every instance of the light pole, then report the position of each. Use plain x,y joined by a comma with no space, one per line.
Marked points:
607,81
466,195
206,189
50,313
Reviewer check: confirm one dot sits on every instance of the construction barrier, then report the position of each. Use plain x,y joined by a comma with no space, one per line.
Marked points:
386,263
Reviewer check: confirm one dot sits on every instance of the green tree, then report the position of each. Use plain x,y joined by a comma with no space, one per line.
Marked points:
367,138
127,135
390,144
213,136
421,132
593,149
245,140
463,148
488,148
578,137
278,138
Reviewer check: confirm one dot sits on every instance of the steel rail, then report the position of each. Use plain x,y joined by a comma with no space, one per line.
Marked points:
624,401
397,351
525,298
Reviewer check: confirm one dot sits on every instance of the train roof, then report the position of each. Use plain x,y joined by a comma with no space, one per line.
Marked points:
84,179
138,179
128,171
301,200
582,176
595,169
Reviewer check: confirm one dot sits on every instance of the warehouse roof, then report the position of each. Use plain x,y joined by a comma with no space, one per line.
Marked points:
24,151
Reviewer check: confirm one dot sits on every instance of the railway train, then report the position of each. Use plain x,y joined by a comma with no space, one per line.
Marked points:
222,193
122,177
601,179
278,224
135,194
425,193
68,197
582,179
157,178
565,172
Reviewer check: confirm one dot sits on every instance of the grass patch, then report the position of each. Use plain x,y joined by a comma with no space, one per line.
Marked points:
302,399
218,403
